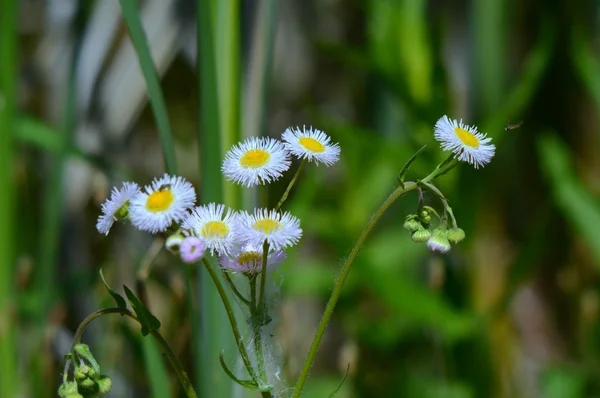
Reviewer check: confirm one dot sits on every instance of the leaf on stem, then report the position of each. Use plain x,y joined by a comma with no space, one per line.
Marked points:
148,321
408,164
121,303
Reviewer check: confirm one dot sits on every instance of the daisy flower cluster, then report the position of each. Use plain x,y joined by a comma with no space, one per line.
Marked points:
237,238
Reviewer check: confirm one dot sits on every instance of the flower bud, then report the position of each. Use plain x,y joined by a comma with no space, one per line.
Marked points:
68,389
82,372
425,215
438,241
192,249
104,384
88,385
455,235
411,224
173,243
421,235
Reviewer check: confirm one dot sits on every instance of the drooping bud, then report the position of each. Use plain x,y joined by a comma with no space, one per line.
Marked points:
68,389
455,235
411,224
104,384
421,235
438,241
88,385
173,243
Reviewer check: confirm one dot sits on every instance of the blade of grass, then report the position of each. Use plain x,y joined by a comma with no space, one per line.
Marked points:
138,38
213,382
155,369
228,84
8,78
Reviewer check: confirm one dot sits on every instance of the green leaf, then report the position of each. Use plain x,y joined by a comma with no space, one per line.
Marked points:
577,204
129,9
118,298
250,384
148,321
159,382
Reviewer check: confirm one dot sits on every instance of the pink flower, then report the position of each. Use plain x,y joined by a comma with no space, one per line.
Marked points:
192,249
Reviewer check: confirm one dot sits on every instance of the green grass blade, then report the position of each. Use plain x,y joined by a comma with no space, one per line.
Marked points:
228,85
212,380
577,204
8,78
155,369
129,9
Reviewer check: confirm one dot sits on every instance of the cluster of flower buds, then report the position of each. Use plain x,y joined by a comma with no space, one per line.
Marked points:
88,381
439,240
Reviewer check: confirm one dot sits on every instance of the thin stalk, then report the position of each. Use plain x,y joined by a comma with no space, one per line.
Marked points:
444,201
230,314
9,376
263,280
290,185
234,289
165,348
337,290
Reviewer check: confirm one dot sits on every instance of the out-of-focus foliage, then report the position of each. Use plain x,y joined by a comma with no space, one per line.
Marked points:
512,311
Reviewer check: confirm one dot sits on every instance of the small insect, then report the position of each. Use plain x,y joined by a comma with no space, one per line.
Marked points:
513,126
164,187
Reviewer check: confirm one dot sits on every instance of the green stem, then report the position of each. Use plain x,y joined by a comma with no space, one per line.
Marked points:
263,281
234,288
444,201
9,376
230,314
257,321
335,295
291,184
166,349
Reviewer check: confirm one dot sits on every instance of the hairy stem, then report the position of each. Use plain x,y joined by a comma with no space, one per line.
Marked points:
335,294
230,314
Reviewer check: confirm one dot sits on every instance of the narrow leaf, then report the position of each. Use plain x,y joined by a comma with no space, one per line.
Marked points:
148,321
121,303
407,165
250,384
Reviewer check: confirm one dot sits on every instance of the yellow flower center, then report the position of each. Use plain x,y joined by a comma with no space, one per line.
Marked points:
255,158
251,257
311,144
159,201
216,229
466,137
267,226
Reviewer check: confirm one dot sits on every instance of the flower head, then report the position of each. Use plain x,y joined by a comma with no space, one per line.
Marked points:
256,161
211,224
117,207
464,141
248,259
166,201
312,145
192,249
438,241
279,229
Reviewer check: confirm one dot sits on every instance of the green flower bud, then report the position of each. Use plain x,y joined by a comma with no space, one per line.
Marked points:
89,385
438,241
104,384
67,389
455,235
411,224
82,372
425,215
84,351
421,235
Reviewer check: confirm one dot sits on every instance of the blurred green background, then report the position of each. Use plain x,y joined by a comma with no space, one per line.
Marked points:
513,311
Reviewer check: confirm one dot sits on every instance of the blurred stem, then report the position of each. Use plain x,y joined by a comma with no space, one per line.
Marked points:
230,314
291,184
164,346
8,77
335,295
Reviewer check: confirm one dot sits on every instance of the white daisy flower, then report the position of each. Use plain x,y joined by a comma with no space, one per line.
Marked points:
256,161
248,259
209,224
117,207
166,201
312,145
280,230
465,141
